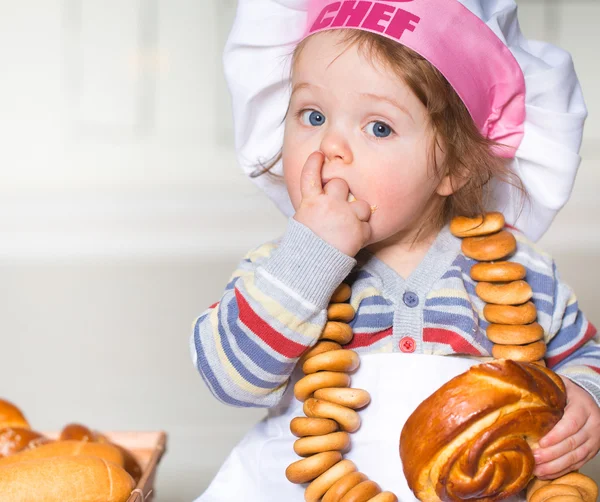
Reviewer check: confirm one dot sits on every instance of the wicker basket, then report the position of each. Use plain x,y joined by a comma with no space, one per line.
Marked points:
148,448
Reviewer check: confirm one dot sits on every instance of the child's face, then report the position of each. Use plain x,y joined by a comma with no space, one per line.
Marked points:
371,128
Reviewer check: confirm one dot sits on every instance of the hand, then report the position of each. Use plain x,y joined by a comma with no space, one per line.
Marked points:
327,212
574,440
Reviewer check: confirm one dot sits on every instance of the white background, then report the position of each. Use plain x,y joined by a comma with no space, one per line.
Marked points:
122,213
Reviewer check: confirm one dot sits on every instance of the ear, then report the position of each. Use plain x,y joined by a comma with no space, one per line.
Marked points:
450,184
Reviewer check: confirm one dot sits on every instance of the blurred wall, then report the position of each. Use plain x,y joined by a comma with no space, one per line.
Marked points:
122,213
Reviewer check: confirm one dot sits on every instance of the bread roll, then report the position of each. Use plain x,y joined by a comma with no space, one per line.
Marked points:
320,347
351,398
335,441
67,448
523,353
304,387
510,293
16,439
307,469
77,432
348,419
510,334
65,479
11,416
362,492
479,427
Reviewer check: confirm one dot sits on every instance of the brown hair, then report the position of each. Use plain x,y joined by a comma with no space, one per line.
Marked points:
469,156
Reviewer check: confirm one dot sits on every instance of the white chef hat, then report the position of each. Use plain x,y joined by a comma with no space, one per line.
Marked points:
521,93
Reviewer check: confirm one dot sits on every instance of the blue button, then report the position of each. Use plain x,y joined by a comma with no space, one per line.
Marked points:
410,299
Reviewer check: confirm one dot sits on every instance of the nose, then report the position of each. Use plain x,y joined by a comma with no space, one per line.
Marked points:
335,147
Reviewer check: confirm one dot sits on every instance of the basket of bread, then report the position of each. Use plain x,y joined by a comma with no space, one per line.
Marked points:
77,463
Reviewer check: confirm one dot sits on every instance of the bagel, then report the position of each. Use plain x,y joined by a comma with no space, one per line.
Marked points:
508,314
325,481
343,486
351,398
554,490
586,486
307,469
534,485
348,419
362,492
304,426
510,293
521,334
524,353
310,383
339,332
384,497
499,271
343,312
461,226
335,441
490,247
334,360
320,347
341,294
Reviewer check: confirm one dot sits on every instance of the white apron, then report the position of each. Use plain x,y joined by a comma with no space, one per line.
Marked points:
397,382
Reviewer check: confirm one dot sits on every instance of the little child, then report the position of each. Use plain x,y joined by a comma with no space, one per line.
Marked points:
392,118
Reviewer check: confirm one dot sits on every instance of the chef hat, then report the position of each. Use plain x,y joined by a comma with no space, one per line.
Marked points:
520,93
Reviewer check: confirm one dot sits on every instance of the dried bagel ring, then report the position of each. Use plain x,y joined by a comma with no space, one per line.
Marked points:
339,332
343,312
334,360
362,492
348,419
304,426
523,353
461,226
498,271
509,314
319,348
511,293
343,486
490,247
309,445
321,380
520,334
554,490
341,294
351,398
307,469
586,486
535,485
384,497
325,481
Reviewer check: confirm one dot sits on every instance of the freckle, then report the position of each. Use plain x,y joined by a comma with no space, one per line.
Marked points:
373,209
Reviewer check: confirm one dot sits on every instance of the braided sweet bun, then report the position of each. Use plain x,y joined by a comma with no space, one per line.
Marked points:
472,438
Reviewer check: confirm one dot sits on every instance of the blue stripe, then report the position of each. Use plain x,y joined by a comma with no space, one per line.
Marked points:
540,283
452,301
448,320
590,351
568,334
254,352
374,300
209,376
377,322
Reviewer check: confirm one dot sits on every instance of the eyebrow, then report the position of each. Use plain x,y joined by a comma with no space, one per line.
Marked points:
391,101
305,85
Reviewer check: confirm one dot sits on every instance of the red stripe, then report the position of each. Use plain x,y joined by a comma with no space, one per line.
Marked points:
597,370
367,339
213,305
265,332
457,342
589,334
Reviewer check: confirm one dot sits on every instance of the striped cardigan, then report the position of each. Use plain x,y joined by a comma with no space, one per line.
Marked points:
275,307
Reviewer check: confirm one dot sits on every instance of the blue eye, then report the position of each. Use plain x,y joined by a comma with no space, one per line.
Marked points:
379,129
312,117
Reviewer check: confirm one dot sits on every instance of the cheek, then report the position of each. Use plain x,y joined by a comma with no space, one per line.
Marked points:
292,169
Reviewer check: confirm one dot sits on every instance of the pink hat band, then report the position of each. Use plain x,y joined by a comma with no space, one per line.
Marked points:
477,63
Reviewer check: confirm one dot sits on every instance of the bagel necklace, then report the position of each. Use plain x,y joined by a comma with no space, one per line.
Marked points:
330,403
